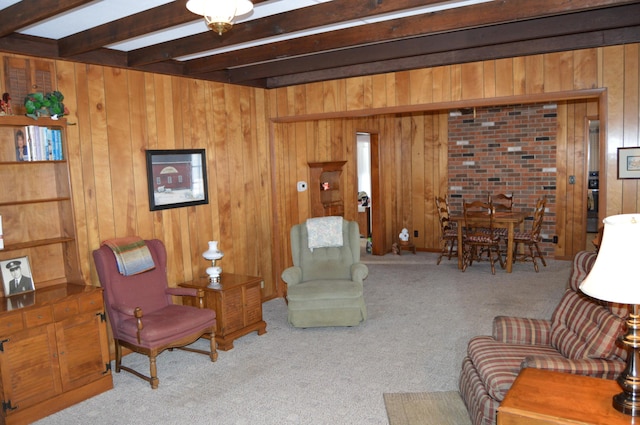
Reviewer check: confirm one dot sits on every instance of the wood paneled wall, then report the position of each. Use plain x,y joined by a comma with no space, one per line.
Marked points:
586,83
117,114
259,141
412,147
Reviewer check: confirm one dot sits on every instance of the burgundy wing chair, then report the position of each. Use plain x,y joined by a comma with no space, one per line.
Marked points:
142,314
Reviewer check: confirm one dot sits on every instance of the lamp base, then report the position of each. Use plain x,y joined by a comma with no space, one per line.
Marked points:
626,405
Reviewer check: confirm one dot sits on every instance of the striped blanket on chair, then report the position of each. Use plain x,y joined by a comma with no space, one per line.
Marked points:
132,255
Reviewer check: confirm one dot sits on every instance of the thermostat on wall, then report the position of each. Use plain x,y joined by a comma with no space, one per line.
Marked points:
302,186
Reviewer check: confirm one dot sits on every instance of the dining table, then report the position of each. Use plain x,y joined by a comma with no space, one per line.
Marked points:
502,219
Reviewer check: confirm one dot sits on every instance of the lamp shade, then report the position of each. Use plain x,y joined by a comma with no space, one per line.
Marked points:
615,276
213,253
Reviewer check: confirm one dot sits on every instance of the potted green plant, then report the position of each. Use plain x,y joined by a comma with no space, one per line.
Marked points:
49,104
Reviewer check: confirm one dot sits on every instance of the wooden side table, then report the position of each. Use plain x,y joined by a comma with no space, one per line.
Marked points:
406,246
237,303
542,397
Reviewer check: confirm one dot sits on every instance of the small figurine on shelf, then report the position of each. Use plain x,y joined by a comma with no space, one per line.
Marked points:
5,105
404,235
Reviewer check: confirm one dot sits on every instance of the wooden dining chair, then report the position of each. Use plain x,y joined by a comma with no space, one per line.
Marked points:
530,238
501,202
448,229
479,240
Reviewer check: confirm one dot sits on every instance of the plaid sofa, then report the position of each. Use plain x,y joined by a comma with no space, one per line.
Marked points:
579,338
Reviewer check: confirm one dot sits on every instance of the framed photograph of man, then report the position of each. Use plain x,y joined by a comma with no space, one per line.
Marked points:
16,276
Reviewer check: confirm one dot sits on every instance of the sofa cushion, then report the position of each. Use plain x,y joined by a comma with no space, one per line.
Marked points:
498,364
581,328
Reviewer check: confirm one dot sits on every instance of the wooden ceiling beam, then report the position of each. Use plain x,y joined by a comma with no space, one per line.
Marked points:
520,48
588,21
27,12
335,11
158,18
155,19
483,14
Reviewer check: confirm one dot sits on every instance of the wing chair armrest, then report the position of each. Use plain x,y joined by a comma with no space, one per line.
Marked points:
292,275
598,368
521,330
182,292
131,311
188,292
359,271
124,309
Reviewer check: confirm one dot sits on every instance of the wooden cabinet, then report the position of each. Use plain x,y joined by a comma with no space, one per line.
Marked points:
36,206
543,397
327,197
53,341
238,306
53,351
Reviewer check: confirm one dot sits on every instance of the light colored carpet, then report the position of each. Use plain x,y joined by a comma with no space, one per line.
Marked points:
438,408
421,317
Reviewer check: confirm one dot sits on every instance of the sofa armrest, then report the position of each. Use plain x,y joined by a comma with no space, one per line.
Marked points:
292,275
359,271
522,330
598,368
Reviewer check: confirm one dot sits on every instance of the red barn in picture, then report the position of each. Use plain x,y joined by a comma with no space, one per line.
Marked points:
172,173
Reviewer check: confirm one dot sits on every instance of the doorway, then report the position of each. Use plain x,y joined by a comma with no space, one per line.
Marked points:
368,164
593,182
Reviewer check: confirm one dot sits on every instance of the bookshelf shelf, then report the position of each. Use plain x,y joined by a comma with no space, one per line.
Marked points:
37,211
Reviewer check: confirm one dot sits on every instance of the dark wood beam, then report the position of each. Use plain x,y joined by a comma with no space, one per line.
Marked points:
27,12
588,21
520,48
283,23
448,20
156,19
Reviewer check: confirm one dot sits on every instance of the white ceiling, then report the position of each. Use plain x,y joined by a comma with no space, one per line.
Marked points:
102,11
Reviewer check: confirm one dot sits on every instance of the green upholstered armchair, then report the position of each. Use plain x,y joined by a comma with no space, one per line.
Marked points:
324,286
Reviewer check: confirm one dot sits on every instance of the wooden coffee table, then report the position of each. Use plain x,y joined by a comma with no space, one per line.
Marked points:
237,303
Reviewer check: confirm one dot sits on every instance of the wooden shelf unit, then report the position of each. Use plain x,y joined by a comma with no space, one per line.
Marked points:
54,349
37,210
327,197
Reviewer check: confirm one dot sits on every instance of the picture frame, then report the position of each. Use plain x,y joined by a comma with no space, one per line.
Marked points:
20,269
176,178
628,163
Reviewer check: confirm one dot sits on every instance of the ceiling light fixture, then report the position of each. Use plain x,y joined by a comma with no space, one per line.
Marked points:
219,14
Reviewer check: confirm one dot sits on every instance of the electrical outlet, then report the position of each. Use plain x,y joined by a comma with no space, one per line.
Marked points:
555,238
415,233
572,179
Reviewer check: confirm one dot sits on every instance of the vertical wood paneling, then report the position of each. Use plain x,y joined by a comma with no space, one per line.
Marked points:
613,79
472,80
153,111
505,78
630,187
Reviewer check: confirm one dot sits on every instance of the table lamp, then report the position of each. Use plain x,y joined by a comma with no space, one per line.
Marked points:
213,254
615,278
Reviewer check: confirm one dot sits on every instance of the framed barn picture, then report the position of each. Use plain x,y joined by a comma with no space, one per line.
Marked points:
176,178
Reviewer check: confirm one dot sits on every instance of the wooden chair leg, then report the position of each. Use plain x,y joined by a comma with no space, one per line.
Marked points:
118,356
153,372
544,263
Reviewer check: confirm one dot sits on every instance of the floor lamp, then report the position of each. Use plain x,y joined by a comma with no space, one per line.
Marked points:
615,278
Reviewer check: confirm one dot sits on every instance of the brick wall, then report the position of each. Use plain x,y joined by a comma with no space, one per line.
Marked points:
507,149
